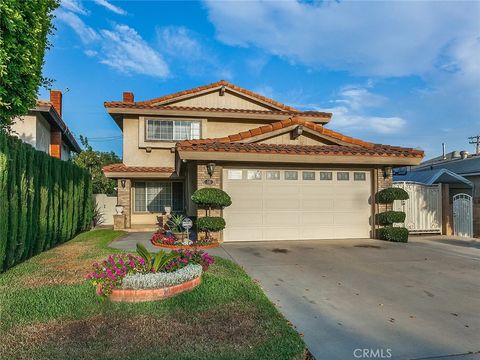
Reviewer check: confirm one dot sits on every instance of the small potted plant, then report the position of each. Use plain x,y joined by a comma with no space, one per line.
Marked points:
175,225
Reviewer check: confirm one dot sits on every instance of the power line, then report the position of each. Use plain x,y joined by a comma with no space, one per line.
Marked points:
475,140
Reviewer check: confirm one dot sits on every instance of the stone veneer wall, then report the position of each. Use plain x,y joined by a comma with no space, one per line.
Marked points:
124,197
202,175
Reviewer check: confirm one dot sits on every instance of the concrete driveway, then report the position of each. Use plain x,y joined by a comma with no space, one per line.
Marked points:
420,300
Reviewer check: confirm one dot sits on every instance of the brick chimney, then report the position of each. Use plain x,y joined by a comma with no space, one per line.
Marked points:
56,100
128,97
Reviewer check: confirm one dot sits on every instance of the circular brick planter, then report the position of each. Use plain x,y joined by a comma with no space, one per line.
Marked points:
187,247
130,295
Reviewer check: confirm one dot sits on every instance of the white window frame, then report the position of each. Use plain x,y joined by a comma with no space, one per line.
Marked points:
175,123
146,211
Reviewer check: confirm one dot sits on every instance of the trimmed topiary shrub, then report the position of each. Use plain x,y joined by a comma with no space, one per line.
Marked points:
390,217
211,223
393,233
389,195
211,198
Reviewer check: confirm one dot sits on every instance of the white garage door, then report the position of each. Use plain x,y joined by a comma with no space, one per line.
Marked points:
296,204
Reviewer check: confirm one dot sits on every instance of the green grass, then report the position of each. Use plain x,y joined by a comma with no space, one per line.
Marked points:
226,317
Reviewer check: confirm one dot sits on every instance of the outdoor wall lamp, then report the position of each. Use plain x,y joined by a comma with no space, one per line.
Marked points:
210,169
123,182
386,172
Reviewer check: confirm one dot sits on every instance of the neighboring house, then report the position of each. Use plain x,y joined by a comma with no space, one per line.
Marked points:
459,164
289,176
44,128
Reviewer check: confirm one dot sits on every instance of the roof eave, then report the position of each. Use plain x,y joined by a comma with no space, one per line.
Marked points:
128,110
292,158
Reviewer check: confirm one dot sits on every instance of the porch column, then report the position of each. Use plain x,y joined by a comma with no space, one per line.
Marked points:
124,198
447,220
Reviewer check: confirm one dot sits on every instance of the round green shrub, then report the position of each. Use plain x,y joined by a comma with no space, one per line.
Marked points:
393,233
391,217
211,198
211,223
389,195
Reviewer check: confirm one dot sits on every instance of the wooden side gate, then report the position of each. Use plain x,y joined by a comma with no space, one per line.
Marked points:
423,209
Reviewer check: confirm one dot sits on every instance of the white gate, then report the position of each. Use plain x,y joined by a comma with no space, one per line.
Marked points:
462,215
423,209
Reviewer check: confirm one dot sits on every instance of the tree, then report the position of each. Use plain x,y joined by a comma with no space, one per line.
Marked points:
93,161
25,26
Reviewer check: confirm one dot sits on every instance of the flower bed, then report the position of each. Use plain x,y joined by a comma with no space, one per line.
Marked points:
165,240
133,278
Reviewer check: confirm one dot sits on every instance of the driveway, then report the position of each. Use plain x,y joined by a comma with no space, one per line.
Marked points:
419,300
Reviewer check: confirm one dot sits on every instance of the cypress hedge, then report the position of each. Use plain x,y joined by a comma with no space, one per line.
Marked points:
43,201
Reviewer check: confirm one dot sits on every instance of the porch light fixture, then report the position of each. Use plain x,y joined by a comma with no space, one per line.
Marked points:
386,173
210,169
123,182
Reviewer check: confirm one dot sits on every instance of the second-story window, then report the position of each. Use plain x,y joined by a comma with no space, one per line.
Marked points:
172,130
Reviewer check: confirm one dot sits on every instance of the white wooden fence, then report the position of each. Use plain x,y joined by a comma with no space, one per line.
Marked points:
423,209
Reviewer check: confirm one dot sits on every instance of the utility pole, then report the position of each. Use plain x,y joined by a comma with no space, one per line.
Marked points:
475,140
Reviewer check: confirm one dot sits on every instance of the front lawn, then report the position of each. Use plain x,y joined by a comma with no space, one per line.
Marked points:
49,311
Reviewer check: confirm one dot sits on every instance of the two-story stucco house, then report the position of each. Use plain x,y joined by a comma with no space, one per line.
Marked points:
44,128
289,175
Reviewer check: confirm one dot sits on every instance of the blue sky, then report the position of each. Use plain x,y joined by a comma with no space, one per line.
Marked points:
402,73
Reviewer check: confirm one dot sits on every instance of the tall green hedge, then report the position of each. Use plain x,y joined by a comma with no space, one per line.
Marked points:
43,201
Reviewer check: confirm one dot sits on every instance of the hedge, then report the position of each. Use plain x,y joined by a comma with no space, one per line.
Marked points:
43,201
390,217
389,195
393,233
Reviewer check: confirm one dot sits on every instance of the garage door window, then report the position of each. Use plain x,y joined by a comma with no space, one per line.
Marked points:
235,174
343,176
291,175
325,175
254,175
308,175
272,175
359,176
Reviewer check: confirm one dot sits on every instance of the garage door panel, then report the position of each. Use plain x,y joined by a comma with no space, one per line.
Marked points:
241,218
280,218
311,232
280,233
317,218
313,204
303,209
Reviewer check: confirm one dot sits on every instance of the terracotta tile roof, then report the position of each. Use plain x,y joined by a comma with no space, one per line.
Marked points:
301,149
136,169
245,135
217,84
123,105
233,143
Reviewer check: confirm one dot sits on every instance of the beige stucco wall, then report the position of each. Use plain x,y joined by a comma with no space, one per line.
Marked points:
34,130
227,101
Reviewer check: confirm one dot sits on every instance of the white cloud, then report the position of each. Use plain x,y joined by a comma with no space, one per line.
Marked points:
86,33
90,53
111,7
358,98
75,6
125,50
345,118
365,38
191,52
